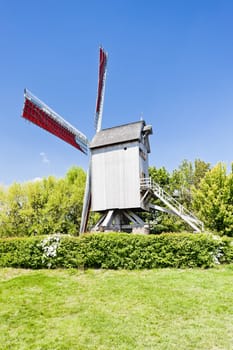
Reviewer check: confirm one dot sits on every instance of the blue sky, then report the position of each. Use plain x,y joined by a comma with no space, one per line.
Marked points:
170,62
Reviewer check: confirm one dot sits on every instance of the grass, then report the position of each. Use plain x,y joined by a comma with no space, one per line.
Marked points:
96,309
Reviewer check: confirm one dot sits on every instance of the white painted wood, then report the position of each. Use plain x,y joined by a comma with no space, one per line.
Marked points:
118,167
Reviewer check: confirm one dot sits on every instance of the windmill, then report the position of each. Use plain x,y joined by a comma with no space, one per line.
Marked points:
117,183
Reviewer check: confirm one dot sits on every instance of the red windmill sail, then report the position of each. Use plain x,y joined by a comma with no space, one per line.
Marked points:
40,114
101,88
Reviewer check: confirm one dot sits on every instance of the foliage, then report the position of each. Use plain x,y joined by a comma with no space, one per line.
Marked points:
213,200
161,176
186,177
201,168
116,251
55,205
43,207
179,184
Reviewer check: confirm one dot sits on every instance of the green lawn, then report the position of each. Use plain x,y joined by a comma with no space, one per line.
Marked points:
96,309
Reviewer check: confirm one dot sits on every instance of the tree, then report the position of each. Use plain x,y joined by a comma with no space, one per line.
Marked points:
63,209
12,219
200,169
54,205
160,176
187,177
38,194
179,184
213,200
43,207
67,200
159,221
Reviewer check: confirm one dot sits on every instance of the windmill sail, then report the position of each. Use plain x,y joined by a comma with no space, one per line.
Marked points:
98,125
101,89
86,202
40,114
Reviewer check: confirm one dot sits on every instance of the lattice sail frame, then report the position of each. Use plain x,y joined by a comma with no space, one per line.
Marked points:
103,58
98,125
43,116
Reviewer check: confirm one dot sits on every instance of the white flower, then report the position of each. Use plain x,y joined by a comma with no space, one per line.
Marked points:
216,256
49,246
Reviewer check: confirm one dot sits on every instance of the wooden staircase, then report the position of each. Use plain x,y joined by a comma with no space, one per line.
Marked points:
148,187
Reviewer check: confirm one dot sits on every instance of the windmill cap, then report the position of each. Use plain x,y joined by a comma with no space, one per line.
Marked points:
120,134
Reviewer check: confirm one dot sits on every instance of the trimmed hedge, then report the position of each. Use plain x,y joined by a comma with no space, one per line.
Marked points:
116,251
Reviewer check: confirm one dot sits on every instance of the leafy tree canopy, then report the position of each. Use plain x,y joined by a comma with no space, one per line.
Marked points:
47,206
54,205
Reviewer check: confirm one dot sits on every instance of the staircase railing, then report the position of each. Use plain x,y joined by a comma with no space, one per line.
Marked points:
172,203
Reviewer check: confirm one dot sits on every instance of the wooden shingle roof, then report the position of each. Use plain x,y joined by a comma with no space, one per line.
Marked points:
119,134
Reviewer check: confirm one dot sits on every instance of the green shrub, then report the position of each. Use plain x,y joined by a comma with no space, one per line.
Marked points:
116,251
21,252
227,249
